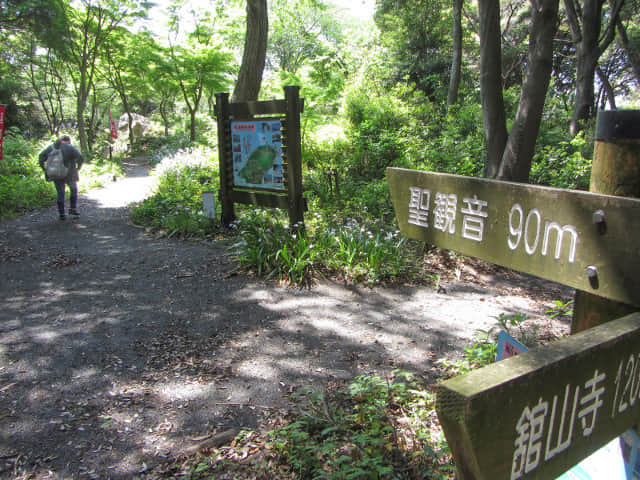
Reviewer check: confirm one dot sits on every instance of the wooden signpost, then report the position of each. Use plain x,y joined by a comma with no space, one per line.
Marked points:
539,413
260,154
579,239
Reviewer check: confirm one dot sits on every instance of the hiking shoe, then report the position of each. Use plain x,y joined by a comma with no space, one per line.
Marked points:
62,217
74,212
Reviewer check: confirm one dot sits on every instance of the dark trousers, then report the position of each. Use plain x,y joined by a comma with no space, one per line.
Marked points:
73,196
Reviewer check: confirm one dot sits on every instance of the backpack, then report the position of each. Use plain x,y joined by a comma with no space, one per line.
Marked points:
56,169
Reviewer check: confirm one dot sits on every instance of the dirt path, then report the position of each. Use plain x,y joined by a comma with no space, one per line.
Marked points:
119,350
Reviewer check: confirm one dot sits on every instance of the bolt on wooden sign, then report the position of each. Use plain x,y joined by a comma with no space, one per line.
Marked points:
558,404
579,239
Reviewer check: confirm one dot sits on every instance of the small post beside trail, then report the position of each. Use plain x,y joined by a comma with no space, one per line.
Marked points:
615,171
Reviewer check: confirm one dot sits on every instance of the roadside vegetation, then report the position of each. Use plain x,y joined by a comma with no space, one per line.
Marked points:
378,93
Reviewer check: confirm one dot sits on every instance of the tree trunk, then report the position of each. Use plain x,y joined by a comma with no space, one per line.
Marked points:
493,113
254,55
585,22
632,54
516,160
609,93
456,62
583,109
192,125
81,106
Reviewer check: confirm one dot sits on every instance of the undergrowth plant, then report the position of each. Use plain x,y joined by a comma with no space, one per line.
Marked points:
176,205
378,429
483,350
561,309
350,250
22,183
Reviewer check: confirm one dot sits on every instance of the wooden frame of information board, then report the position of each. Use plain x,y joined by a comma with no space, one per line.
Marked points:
286,196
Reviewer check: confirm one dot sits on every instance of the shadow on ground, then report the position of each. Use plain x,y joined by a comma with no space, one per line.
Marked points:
118,349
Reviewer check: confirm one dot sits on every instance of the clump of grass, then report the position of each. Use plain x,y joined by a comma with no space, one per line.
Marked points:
352,251
381,428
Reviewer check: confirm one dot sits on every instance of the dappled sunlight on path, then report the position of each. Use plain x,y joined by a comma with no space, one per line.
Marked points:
119,348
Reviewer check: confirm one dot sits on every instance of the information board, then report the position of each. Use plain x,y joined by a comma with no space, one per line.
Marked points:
257,154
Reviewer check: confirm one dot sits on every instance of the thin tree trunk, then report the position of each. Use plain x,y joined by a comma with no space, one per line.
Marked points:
632,54
254,55
516,160
583,109
456,62
493,113
608,89
585,22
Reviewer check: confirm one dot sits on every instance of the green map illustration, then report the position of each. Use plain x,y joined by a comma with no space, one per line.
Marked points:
258,163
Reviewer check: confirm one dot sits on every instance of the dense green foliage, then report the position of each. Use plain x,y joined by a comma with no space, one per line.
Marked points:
176,204
22,183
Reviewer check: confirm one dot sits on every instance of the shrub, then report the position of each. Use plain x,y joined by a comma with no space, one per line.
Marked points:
565,164
379,127
176,205
22,184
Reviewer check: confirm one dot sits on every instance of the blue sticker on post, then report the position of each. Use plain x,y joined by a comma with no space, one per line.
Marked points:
508,346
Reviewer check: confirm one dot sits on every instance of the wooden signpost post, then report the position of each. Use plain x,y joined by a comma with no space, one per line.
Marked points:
537,414
260,154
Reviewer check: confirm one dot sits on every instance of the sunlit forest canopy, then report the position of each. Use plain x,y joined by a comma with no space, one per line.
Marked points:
505,89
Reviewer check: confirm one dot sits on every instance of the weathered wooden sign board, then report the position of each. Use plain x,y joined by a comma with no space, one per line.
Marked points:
579,239
557,405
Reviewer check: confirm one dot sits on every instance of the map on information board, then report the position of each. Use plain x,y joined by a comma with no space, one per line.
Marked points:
257,154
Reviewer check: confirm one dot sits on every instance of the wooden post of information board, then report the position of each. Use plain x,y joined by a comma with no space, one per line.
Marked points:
294,156
615,171
226,163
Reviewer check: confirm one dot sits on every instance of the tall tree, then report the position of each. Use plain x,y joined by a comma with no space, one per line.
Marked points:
92,27
417,35
254,54
45,19
586,19
126,70
197,70
162,83
509,156
628,27
45,75
493,112
301,32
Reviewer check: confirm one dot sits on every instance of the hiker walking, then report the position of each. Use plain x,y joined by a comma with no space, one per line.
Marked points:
60,163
